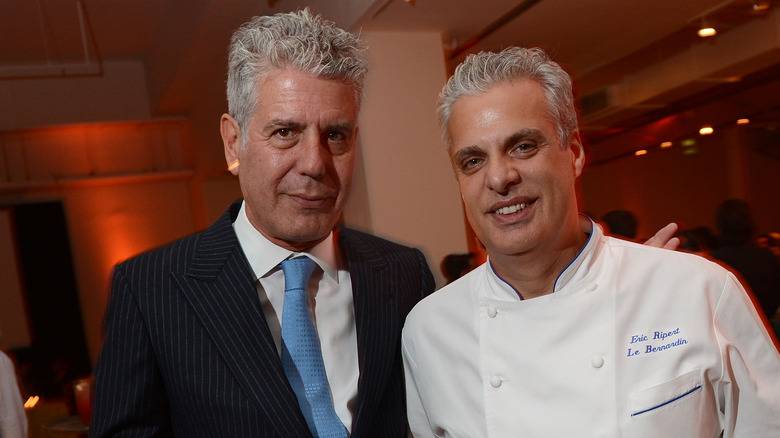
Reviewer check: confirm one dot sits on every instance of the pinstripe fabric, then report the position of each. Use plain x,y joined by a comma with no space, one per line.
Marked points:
187,351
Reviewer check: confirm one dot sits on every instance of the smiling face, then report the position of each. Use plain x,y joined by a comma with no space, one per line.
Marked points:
295,163
516,181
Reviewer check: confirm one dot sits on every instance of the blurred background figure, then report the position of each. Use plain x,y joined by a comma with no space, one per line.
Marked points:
621,223
770,241
13,419
701,240
758,266
454,266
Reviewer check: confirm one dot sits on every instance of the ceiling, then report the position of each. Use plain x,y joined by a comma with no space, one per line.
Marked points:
634,63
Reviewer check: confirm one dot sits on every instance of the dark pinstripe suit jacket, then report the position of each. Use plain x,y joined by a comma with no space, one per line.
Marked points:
188,352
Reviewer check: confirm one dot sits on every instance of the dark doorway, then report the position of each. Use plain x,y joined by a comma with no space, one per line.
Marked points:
58,352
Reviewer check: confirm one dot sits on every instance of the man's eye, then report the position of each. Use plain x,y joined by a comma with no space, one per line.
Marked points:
339,142
525,148
284,133
336,136
471,163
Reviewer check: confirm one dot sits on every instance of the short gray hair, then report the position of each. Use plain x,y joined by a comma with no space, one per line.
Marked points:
299,40
479,72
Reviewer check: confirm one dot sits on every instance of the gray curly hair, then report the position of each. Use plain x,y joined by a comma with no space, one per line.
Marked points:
295,39
479,72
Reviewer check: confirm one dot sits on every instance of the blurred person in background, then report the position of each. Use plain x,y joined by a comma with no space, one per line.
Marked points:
770,241
700,240
738,249
621,223
454,266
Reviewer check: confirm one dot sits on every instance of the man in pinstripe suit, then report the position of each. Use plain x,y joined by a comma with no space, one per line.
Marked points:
193,338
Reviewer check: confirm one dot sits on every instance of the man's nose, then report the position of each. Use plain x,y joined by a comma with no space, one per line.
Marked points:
314,156
502,174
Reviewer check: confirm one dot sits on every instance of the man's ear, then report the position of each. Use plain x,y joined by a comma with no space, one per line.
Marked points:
231,140
578,153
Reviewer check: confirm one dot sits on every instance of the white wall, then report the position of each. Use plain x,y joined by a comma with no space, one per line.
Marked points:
412,196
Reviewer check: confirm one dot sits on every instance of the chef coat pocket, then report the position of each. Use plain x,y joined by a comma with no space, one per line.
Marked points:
677,406
680,407
680,391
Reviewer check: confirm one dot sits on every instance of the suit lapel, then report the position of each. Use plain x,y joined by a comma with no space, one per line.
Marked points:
221,290
376,320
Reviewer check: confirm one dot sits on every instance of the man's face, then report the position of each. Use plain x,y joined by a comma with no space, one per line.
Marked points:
295,165
516,181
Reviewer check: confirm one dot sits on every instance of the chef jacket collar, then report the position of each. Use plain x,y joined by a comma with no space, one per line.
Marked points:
501,289
572,273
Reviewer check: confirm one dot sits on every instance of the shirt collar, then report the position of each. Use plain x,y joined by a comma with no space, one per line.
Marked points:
264,256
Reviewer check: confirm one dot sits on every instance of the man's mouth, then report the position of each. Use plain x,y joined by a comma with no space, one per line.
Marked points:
311,200
512,208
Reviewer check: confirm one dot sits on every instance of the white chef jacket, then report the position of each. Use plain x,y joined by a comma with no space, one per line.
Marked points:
634,342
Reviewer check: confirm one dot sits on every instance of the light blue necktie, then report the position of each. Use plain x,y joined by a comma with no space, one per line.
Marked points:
301,354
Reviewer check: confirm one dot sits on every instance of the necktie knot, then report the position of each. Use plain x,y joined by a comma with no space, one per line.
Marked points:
297,272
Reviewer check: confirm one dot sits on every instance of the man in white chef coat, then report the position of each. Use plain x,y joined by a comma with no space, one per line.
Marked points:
565,331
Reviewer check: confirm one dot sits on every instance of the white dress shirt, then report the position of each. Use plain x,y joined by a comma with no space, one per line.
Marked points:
634,342
330,302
